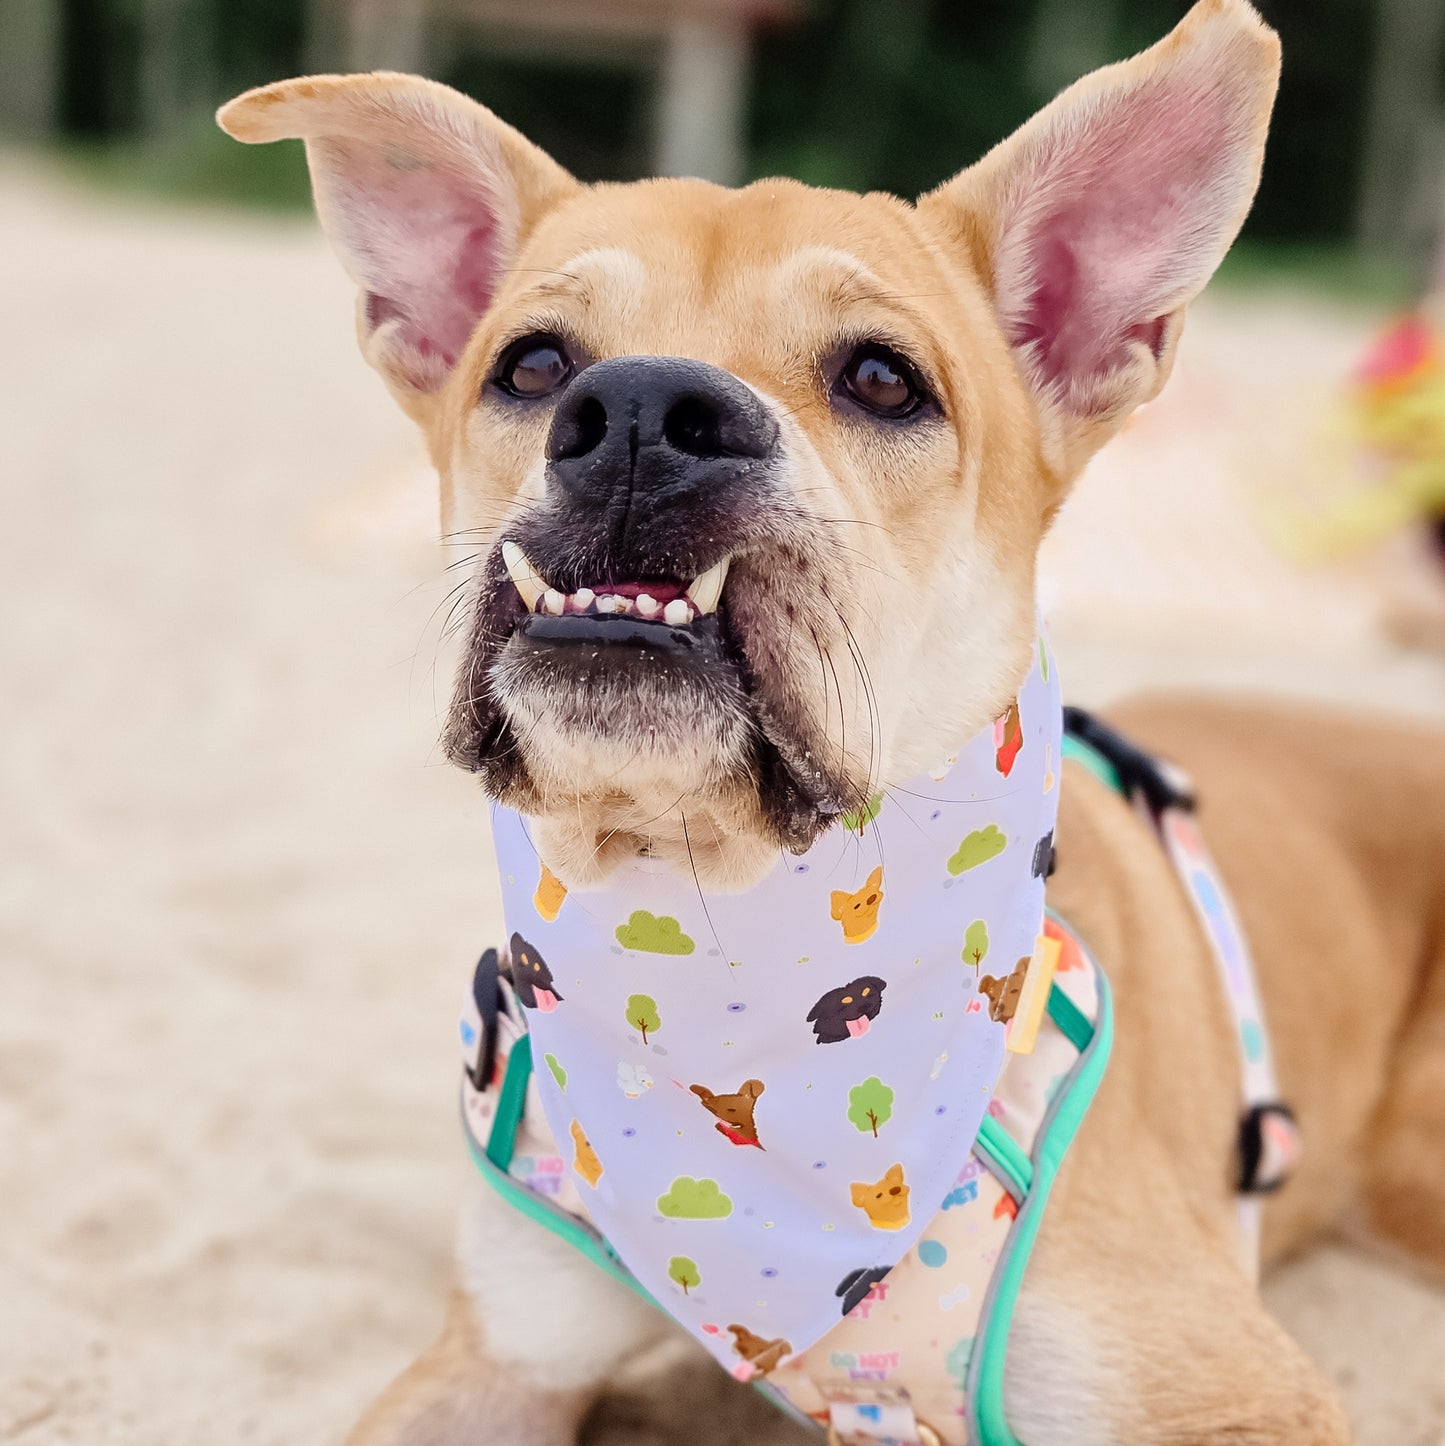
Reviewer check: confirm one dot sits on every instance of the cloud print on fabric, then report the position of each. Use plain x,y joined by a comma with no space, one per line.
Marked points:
690,1199
653,935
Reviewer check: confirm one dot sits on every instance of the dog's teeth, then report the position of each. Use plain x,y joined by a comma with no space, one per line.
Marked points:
647,606
527,580
554,602
611,603
678,613
583,599
707,588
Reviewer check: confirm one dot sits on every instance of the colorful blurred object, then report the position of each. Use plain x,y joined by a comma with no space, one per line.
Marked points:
1382,463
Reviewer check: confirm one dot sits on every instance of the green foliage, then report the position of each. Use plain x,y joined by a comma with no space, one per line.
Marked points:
975,943
894,95
198,164
870,1104
558,1073
684,1272
642,1014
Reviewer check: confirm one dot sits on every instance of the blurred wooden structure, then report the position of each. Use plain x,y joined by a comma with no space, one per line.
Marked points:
29,66
698,48
1401,204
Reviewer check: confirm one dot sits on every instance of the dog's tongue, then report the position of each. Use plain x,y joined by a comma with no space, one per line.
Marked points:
855,1026
546,1000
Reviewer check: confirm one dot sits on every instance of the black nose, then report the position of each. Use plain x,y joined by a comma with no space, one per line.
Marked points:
655,426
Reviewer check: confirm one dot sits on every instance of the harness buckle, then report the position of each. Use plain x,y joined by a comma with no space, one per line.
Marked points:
1160,784
1268,1148
487,995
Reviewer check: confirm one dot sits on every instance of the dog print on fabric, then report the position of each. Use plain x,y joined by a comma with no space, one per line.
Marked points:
734,1112
550,895
762,1355
885,1202
848,1012
857,1285
585,1161
858,913
1003,994
531,977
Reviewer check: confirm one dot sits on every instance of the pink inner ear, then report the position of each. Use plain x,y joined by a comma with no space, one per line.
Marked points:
1118,221
426,242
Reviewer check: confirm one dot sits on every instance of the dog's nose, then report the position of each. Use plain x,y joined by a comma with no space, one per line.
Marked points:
655,424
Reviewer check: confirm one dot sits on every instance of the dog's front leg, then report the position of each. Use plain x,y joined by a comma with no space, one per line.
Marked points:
533,1333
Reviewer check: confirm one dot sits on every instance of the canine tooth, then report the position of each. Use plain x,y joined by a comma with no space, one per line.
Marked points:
707,588
583,599
678,613
647,605
527,580
554,602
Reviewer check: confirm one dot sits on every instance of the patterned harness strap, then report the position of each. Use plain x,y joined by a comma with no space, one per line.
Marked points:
1164,795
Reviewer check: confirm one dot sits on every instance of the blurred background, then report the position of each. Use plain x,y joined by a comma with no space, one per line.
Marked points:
240,891
887,94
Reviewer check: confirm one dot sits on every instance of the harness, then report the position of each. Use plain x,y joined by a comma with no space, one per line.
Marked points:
916,1354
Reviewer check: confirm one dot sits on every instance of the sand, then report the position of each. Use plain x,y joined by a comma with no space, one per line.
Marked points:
240,891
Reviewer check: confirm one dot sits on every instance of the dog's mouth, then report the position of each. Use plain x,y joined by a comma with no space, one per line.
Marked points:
580,661
660,601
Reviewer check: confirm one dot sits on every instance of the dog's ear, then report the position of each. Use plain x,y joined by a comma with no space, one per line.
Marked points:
703,1093
1097,222
752,1088
425,196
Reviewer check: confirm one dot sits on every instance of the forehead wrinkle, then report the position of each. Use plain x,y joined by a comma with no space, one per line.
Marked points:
843,282
589,276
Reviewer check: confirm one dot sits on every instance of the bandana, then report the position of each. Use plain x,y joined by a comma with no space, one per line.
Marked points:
766,1096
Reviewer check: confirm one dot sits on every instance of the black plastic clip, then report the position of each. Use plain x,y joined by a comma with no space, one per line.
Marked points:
486,991
1160,784
1265,1164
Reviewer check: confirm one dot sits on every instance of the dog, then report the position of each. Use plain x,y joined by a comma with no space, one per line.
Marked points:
848,1012
532,979
734,1112
858,1285
885,1201
1003,994
762,1355
681,411
858,912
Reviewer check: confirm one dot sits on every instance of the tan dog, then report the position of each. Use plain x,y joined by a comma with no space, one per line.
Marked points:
858,912
819,437
885,1201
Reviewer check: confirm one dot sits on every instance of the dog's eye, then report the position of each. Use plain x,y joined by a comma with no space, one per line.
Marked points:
535,366
882,382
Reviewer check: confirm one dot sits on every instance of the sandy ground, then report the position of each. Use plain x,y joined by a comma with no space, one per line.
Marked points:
239,892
